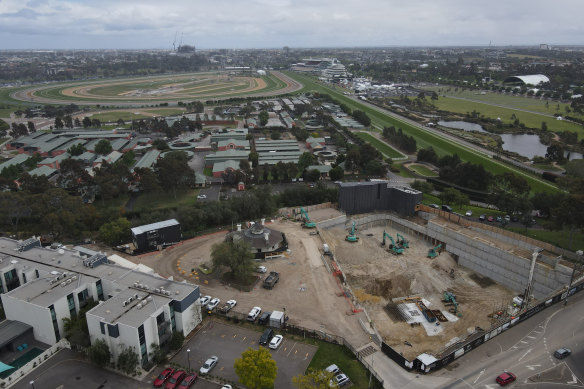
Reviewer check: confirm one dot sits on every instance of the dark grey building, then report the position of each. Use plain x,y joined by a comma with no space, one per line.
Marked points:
151,236
363,197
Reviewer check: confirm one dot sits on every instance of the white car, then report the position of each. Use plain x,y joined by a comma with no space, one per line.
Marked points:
468,213
226,386
205,300
201,197
333,369
275,342
339,380
213,303
261,269
229,304
209,364
254,313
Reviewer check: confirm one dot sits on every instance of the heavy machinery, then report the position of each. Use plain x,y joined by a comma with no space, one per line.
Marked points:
392,247
450,299
402,242
307,223
352,237
434,251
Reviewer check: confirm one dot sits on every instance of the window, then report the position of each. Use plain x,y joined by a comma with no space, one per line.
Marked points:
143,350
83,297
99,288
24,278
12,281
172,320
55,324
71,303
36,272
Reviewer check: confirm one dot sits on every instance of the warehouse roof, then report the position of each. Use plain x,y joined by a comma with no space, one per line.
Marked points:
320,168
154,226
148,160
236,142
60,157
43,171
17,160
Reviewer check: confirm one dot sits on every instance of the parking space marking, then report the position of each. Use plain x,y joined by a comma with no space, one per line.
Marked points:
244,338
305,357
223,336
291,349
234,336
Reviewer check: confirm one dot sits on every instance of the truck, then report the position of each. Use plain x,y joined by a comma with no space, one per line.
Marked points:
271,280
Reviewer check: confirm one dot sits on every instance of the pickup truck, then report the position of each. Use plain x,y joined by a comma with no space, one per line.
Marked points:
271,280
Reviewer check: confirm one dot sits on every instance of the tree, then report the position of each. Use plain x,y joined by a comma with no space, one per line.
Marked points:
86,122
428,155
75,150
305,160
235,255
254,157
314,379
76,330
555,153
31,127
313,175
275,135
161,145
452,196
263,116
174,172
68,121
256,369
128,360
103,147
146,179
362,118
336,173
422,186
59,123
116,232
99,353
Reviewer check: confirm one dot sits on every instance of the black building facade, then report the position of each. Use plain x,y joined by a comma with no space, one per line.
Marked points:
150,236
364,197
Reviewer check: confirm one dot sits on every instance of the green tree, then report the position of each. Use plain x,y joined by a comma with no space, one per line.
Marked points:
256,369
263,116
128,360
362,118
235,255
422,186
305,160
177,340
555,153
313,175
450,196
76,331
254,157
314,379
161,145
99,353
103,147
116,232
509,192
336,173
31,127
275,135
174,172
75,150
59,123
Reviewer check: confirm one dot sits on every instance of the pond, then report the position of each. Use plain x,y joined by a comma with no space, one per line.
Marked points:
523,144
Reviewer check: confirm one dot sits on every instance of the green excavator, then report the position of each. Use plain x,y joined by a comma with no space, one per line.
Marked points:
307,223
402,242
450,299
392,247
352,237
434,251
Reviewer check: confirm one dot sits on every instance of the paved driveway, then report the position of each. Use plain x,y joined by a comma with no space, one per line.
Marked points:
212,193
228,342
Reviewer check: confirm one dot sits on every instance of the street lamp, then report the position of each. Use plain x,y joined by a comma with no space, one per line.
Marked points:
32,384
189,358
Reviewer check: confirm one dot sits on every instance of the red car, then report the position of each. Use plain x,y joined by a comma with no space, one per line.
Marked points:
188,381
505,378
491,219
166,373
175,380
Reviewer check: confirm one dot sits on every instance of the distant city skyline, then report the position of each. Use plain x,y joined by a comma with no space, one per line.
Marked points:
147,24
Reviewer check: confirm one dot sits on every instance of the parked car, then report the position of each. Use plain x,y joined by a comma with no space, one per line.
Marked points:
205,300
333,369
213,303
201,196
483,217
508,218
161,379
226,386
499,219
562,353
175,380
208,365
505,378
434,206
228,306
254,313
491,219
468,213
261,269
264,318
447,208
266,336
515,218
275,342
188,381
339,380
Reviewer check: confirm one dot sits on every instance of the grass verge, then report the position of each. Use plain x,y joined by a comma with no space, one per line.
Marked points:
557,238
422,170
159,200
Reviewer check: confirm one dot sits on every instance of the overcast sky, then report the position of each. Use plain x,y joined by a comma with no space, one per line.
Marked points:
140,24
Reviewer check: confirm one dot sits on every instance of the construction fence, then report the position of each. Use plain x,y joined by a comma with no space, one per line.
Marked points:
291,211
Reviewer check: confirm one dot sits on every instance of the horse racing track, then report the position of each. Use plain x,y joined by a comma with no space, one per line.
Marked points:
160,89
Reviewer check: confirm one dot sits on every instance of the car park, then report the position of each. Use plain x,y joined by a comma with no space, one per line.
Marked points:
491,219
205,300
209,365
213,303
468,213
188,381
339,380
264,318
333,369
175,379
562,353
162,377
275,342
266,336
254,313
261,269
505,378
483,217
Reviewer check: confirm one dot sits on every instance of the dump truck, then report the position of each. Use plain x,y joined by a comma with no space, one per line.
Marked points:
271,280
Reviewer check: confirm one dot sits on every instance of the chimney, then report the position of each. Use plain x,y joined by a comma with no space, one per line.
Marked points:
266,236
263,222
238,226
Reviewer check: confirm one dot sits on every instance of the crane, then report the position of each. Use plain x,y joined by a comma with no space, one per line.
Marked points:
352,237
307,222
434,251
402,242
392,247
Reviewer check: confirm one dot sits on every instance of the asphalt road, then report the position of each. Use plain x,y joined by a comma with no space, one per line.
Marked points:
527,351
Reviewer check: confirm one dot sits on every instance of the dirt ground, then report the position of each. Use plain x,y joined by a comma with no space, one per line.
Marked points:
376,276
309,294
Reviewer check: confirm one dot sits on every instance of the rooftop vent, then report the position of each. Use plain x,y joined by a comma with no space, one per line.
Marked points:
63,283
124,303
139,306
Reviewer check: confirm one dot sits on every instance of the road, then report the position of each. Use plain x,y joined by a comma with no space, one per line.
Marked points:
527,351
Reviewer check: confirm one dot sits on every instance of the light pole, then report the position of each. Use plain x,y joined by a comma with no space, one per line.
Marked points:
32,384
189,358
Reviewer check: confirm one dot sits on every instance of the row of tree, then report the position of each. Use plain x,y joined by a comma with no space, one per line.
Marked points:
399,139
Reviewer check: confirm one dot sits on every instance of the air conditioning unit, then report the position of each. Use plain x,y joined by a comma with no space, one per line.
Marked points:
63,283
74,278
167,292
157,290
130,299
69,281
124,303
135,284
135,296
139,306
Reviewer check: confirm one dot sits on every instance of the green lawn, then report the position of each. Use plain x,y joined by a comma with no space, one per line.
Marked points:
547,166
208,171
557,238
425,138
422,170
114,116
158,200
383,147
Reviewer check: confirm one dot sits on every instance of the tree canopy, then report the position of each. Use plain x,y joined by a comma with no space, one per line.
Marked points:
256,369
235,255
313,379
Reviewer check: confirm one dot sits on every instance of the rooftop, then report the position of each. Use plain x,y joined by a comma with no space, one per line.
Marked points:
154,226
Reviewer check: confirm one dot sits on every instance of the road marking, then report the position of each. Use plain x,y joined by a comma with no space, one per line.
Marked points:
532,367
574,379
305,357
480,374
291,349
523,341
234,336
531,337
523,356
244,338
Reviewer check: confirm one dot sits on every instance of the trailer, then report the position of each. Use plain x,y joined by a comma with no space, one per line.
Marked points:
271,280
